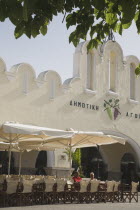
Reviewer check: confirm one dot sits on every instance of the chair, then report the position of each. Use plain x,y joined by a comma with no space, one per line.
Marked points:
117,192
101,191
109,194
11,192
38,190
50,191
75,188
125,192
69,188
134,191
61,190
94,185
26,196
83,193
70,183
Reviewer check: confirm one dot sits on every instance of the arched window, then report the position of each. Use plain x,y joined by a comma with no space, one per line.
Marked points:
91,72
132,82
52,89
128,168
112,72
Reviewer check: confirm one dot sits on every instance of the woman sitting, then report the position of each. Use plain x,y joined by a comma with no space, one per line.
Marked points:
76,177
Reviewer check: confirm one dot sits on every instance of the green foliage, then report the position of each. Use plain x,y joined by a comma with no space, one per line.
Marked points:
111,18
137,70
19,30
77,157
43,30
32,17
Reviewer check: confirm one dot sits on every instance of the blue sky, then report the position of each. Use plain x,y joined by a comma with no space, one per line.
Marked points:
53,51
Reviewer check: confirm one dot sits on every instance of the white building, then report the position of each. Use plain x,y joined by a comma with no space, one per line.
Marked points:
103,95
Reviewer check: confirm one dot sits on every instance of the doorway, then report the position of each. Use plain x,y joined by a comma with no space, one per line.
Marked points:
41,163
92,161
128,168
4,161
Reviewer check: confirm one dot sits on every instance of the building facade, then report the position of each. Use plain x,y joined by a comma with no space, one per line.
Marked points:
102,95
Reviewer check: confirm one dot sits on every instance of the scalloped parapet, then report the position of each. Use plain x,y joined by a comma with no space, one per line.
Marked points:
43,76
25,77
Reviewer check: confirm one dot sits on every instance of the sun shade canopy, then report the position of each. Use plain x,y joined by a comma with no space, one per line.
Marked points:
31,137
83,139
16,132
19,137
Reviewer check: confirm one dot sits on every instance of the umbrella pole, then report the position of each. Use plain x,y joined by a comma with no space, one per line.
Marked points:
20,156
70,158
9,163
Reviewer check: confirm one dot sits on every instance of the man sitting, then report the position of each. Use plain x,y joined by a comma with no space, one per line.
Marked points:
92,176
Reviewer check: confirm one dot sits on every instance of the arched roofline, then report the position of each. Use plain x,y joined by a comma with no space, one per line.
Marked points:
4,64
110,42
82,48
69,81
131,59
43,75
16,68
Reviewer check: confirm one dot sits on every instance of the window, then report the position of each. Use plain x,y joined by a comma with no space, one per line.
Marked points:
91,72
132,82
112,72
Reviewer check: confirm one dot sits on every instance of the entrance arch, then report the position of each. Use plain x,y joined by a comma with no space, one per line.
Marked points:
132,142
92,161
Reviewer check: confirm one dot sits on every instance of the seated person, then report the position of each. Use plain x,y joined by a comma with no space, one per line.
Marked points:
92,176
76,177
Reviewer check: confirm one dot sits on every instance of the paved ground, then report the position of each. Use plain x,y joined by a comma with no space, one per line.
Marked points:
96,206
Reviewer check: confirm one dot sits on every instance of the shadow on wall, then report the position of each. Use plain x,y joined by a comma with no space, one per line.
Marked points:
41,163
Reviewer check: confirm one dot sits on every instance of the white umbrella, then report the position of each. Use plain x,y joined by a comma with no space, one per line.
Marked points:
82,139
53,138
23,129
5,146
21,147
30,136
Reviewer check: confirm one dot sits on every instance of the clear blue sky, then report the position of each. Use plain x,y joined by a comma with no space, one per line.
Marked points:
53,51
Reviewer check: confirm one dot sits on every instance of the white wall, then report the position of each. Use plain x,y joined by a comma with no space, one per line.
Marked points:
37,108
